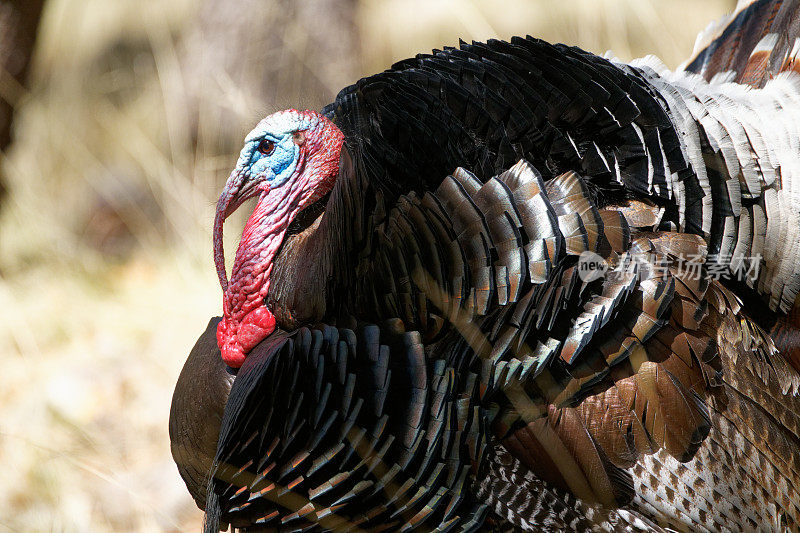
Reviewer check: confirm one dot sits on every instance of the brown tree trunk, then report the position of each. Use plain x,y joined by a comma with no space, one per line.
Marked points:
19,22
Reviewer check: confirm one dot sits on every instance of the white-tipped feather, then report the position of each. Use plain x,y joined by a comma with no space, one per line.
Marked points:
744,238
751,138
766,44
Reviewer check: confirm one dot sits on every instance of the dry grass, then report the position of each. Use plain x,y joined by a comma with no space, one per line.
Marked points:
106,274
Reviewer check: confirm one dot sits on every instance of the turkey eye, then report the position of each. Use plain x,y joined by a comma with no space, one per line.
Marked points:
266,147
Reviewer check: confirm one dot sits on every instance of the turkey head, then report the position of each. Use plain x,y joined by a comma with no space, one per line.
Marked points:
289,161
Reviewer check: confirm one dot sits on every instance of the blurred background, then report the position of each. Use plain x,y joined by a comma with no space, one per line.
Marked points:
126,122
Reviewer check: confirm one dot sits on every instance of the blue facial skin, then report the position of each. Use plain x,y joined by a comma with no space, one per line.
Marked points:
276,168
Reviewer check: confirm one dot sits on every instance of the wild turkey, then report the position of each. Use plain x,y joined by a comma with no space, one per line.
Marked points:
446,358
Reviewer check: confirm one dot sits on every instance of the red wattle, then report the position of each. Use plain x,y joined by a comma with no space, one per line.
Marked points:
236,339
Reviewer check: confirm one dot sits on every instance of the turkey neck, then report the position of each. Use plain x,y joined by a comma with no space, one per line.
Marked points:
303,271
299,279
253,264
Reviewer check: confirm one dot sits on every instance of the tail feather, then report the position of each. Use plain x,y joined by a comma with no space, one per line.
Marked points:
755,43
743,195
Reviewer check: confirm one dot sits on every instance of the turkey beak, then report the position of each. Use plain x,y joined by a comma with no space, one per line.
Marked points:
237,191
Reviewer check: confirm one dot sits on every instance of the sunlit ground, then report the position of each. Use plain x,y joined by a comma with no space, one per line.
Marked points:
106,274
